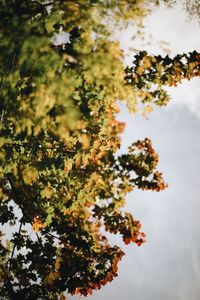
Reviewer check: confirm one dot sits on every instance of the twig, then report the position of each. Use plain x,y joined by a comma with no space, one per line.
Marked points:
56,237
13,250
39,239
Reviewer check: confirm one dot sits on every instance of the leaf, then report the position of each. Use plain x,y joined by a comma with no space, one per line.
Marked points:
30,175
85,159
68,164
47,192
85,141
37,224
77,159
49,279
147,110
62,297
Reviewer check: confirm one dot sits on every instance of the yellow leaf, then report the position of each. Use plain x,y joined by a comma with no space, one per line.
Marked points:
147,110
85,159
30,175
57,263
85,141
97,144
47,192
68,164
77,158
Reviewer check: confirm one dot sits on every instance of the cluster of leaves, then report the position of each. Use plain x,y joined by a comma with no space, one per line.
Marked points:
58,138
152,73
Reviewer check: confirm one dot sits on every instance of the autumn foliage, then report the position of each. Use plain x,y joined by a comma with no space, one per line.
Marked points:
61,182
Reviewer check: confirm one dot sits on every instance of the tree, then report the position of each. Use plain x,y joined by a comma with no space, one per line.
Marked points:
60,179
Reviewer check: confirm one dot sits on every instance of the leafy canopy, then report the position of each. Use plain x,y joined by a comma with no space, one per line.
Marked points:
61,182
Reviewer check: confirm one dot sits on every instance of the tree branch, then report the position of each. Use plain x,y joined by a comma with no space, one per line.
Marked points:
13,250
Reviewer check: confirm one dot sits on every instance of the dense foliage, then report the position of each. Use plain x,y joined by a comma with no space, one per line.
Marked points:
61,182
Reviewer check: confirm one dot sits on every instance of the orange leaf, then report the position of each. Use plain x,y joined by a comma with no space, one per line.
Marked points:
37,224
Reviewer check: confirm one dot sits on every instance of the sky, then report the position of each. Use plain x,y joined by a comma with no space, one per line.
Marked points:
167,266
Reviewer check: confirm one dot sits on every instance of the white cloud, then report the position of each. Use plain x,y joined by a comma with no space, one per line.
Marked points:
186,95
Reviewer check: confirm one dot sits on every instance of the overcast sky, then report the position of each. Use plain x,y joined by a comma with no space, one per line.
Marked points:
167,267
